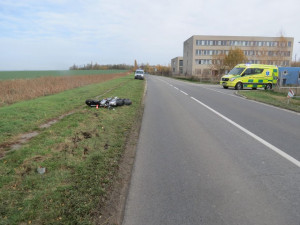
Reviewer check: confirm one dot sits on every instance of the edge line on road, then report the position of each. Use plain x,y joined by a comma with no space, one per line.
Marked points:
272,147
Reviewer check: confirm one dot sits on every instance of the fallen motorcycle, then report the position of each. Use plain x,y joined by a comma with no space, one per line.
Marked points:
108,102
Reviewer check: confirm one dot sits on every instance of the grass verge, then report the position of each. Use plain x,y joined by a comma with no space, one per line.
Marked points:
28,115
80,154
273,98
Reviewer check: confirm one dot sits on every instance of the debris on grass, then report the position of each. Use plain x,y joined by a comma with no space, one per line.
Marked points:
41,170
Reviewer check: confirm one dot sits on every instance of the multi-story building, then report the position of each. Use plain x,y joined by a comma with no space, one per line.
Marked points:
177,66
203,55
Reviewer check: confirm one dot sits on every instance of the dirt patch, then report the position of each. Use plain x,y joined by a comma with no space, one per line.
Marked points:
53,121
23,139
86,135
112,211
10,147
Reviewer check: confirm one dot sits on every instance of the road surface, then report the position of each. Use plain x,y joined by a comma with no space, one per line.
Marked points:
207,156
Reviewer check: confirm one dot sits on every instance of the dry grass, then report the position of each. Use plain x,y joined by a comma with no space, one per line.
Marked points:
12,91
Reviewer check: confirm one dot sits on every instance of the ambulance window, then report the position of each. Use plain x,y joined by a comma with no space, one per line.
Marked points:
236,71
248,71
257,71
252,71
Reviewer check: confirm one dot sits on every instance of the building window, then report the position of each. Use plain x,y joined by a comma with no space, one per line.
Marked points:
290,44
180,62
203,61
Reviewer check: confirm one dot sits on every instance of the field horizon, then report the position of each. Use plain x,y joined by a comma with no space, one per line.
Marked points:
29,74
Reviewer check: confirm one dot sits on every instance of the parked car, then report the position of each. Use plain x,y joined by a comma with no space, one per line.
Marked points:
139,74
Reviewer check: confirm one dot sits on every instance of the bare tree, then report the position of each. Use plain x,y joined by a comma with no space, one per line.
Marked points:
273,53
217,67
135,65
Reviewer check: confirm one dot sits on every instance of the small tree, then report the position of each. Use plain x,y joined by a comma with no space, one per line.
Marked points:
135,65
163,70
234,57
218,64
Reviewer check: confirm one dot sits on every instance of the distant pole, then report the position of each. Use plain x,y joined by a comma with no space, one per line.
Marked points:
296,54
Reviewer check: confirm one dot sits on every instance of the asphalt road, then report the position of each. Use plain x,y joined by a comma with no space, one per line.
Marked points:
207,156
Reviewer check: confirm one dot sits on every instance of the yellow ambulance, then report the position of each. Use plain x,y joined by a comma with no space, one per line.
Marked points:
251,76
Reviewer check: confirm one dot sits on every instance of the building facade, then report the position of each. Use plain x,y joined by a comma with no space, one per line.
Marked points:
177,66
203,55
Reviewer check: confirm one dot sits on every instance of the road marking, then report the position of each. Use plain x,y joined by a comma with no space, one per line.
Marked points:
234,95
272,147
183,92
220,91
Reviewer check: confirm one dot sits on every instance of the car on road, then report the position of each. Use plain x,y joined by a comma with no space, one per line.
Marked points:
139,74
251,76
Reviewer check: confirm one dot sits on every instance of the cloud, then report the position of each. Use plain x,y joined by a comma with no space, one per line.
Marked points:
54,34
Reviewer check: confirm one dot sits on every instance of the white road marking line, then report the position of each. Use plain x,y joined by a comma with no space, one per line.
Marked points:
220,92
183,92
272,147
176,88
237,96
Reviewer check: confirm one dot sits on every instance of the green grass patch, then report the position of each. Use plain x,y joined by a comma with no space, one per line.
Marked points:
80,153
28,115
273,98
8,75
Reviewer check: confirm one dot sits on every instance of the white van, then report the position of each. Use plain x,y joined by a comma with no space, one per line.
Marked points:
139,74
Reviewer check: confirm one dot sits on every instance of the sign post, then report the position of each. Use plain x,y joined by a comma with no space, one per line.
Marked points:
290,95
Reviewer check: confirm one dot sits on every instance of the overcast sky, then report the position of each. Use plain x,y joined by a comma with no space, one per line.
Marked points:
55,34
